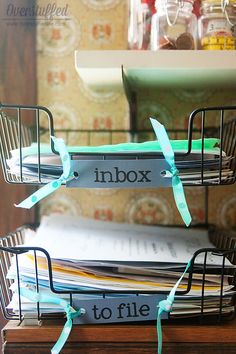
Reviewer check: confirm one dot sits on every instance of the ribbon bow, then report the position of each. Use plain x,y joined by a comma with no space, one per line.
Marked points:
177,185
166,306
71,313
54,185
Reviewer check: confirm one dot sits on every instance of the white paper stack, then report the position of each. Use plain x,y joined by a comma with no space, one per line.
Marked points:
106,256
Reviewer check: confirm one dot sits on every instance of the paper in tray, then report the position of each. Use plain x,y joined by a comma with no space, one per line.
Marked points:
90,169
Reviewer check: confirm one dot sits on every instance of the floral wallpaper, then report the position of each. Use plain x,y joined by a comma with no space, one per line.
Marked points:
102,24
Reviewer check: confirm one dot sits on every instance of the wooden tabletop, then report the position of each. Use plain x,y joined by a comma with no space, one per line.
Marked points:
126,333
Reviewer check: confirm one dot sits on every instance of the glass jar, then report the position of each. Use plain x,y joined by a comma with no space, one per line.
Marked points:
217,25
174,26
139,29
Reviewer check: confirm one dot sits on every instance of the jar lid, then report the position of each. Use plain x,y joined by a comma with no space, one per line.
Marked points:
219,2
149,2
171,2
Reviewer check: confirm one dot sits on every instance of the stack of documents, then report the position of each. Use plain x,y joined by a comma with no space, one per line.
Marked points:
90,255
189,166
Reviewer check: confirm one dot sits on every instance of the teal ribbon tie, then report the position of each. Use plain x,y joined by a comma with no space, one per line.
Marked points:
177,185
53,185
166,306
71,313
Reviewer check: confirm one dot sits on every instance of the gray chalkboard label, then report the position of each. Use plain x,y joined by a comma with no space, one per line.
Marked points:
119,173
119,309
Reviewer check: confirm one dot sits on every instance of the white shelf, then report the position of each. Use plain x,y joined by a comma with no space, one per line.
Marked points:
187,69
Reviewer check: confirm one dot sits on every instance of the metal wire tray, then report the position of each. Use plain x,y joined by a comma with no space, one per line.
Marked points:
224,241
21,126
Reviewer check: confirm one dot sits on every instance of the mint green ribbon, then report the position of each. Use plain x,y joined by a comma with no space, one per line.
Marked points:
177,185
71,313
166,306
53,185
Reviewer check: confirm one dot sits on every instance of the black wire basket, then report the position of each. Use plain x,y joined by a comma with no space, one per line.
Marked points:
224,304
22,125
